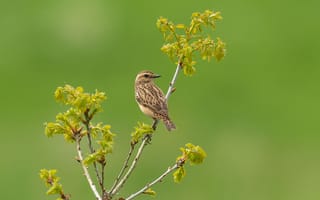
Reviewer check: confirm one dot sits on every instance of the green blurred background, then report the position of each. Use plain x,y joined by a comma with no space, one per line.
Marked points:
256,113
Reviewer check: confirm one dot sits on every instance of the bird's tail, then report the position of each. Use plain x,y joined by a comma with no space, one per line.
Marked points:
169,124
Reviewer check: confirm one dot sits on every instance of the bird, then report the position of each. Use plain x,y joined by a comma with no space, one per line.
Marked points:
151,99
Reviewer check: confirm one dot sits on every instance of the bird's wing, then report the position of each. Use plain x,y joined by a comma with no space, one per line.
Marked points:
152,98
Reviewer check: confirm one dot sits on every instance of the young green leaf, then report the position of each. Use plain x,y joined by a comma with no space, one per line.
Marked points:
220,50
52,182
195,154
48,176
179,174
104,137
189,68
53,129
91,158
56,188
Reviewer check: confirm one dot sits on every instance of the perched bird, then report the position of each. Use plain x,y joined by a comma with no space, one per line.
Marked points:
151,99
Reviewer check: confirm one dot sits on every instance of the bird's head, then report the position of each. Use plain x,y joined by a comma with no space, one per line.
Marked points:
146,77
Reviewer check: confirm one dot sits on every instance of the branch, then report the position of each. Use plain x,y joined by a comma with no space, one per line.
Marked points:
85,170
124,167
157,180
144,142
104,194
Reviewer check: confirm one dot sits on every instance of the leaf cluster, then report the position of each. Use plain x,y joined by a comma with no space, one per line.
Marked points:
52,183
182,41
77,98
190,153
140,131
76,121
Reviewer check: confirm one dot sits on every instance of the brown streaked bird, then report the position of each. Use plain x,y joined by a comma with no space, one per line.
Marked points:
151,99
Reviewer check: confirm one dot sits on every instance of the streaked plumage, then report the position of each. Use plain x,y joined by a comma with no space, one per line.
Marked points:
151,99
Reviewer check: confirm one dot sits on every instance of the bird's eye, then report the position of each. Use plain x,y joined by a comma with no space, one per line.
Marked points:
146,75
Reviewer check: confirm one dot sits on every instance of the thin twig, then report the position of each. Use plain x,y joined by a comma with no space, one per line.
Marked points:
124,167
92,151
104,192
144,142
173,81
157,180
85,170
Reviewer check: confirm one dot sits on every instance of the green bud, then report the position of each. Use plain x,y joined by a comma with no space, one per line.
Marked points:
150,192
180,26
188,67
162,24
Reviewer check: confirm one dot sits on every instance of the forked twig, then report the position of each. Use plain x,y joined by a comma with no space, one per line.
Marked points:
157,180
144,142
124,167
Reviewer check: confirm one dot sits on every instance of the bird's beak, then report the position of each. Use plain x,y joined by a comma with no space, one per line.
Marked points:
156,76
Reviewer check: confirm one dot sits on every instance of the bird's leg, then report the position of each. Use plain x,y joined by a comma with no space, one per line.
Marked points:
148,138
154,125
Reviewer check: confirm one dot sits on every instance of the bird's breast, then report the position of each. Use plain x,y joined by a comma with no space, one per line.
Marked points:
146,111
